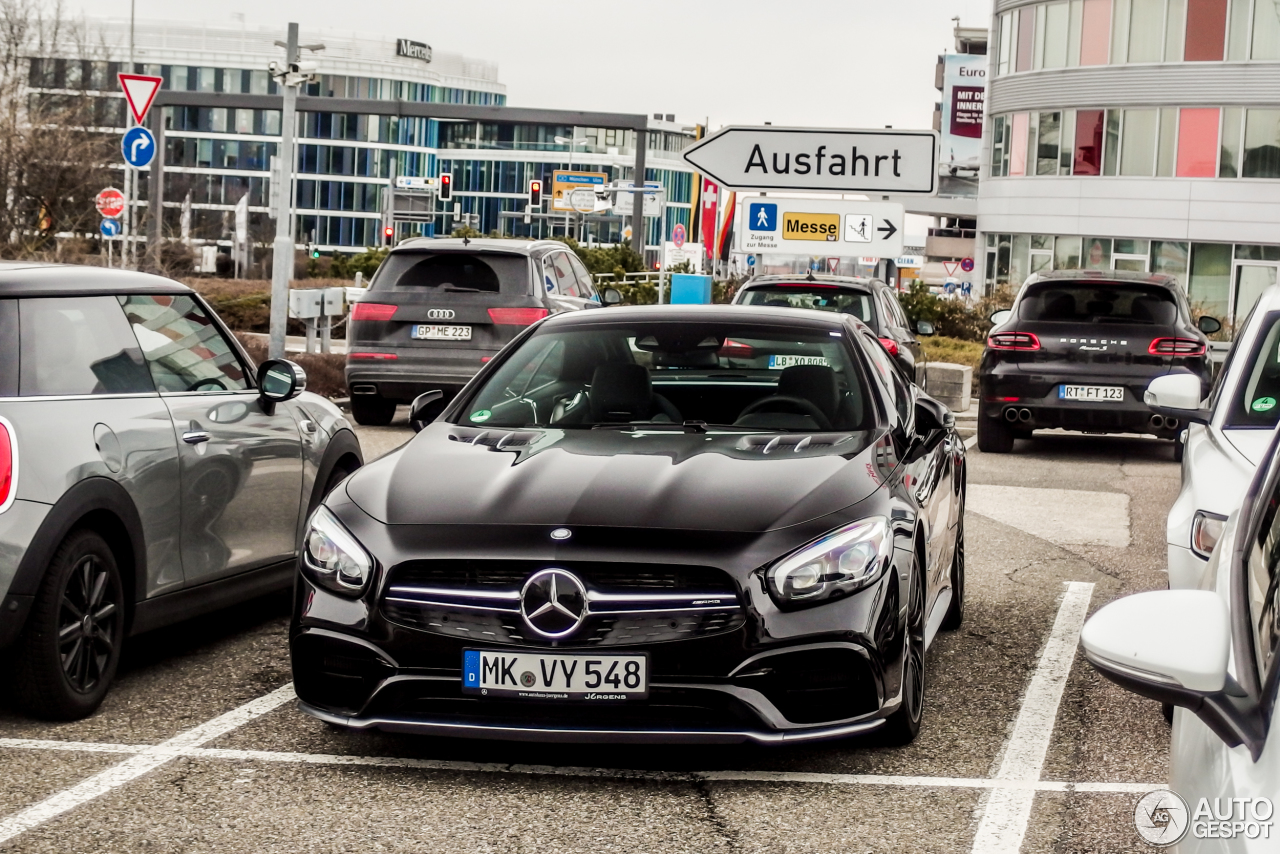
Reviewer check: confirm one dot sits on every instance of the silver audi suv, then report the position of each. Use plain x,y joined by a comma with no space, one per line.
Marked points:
148,472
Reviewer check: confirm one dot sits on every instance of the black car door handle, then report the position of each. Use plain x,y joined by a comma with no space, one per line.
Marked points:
195,437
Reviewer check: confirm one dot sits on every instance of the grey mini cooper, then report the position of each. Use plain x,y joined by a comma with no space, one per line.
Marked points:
148,472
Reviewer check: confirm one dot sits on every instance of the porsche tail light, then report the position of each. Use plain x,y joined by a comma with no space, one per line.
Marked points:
890,345
8,465
1013,341
737,350
1176,347
517,316
372,311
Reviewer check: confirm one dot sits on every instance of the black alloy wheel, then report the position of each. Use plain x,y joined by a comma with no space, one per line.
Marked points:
955,611
995,435
70,648
902,727
372,410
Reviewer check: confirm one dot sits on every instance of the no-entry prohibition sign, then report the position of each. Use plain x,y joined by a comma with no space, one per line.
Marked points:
110,203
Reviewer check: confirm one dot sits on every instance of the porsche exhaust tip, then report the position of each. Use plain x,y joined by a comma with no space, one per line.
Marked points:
1011,415
1024,415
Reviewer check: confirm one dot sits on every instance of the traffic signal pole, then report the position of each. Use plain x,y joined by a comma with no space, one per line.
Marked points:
282,249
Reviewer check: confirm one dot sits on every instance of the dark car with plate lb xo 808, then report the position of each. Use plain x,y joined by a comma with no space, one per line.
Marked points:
652,530
870,300
1077,350
437,310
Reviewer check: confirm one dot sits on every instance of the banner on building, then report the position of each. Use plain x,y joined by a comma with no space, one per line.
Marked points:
964,94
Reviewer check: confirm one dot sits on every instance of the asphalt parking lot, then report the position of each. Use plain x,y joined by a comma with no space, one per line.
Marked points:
1023,747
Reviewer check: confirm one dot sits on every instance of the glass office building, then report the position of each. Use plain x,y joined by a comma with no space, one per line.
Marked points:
345,160
1136,135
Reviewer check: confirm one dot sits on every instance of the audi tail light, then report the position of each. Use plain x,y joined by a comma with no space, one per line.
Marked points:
890,345
517,316
372,311
736,350
8,465
1013,341
1176,347
377,357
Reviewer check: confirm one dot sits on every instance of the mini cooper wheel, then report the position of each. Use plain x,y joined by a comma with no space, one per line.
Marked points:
902,727
70,647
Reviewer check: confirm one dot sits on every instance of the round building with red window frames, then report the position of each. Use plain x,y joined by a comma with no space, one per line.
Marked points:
1135,135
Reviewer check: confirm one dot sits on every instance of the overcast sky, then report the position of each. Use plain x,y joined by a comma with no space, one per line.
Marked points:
824,63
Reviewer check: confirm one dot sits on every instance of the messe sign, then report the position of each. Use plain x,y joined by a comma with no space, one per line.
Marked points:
900,162
110,203
836,229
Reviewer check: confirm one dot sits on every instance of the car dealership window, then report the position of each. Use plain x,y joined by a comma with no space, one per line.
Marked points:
184,348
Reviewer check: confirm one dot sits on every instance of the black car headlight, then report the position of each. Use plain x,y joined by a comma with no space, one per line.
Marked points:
840,563
331,556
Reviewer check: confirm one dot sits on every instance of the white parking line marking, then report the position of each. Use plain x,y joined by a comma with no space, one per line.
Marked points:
1065,517
798,777
147,760
1004,819
970,442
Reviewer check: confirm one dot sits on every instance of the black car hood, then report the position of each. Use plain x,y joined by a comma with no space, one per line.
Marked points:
713,482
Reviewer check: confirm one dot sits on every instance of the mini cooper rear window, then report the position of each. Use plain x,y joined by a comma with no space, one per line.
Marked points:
842,300
1093,302
459,272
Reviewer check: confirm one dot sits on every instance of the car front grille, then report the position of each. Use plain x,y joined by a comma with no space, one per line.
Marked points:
628,604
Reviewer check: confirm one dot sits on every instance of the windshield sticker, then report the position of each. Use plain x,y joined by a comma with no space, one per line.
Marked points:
481,415
1264,404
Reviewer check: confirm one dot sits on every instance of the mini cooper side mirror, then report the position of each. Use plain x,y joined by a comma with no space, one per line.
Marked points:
1000,316
1177,396
1208,324
611,296
1172,646
279,380
924,327
425,408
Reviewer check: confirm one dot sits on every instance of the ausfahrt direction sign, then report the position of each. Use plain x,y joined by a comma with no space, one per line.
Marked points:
902,162
836,229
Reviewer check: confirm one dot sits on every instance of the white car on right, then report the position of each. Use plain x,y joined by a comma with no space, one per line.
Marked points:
1226,439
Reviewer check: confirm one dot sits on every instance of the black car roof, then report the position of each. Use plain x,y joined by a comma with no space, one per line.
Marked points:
1119,277
482,244
746,314
22,278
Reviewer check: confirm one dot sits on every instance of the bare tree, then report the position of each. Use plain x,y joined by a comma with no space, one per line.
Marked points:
55,146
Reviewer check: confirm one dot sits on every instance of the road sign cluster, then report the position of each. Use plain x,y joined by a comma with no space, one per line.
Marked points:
844,229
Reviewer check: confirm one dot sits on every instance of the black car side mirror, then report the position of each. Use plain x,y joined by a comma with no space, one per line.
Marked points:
932,416
611,296
924,327
1208,324
425,408
279,380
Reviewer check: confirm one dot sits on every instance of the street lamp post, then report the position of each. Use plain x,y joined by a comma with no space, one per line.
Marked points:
564,140
290,76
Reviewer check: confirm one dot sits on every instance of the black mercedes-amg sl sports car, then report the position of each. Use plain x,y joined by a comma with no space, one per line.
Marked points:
659,524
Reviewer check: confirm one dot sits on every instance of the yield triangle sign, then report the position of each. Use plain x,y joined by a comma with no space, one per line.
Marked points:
140,91
950,267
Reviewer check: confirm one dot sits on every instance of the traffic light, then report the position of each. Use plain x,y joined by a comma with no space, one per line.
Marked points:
388,235
315,252
446,186
535,193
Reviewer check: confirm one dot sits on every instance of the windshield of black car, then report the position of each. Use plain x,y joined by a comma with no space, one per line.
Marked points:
766,378
1098,302
1257,399
816,296
454,271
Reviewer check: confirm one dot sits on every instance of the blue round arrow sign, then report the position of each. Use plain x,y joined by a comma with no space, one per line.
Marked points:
139,147
109,228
